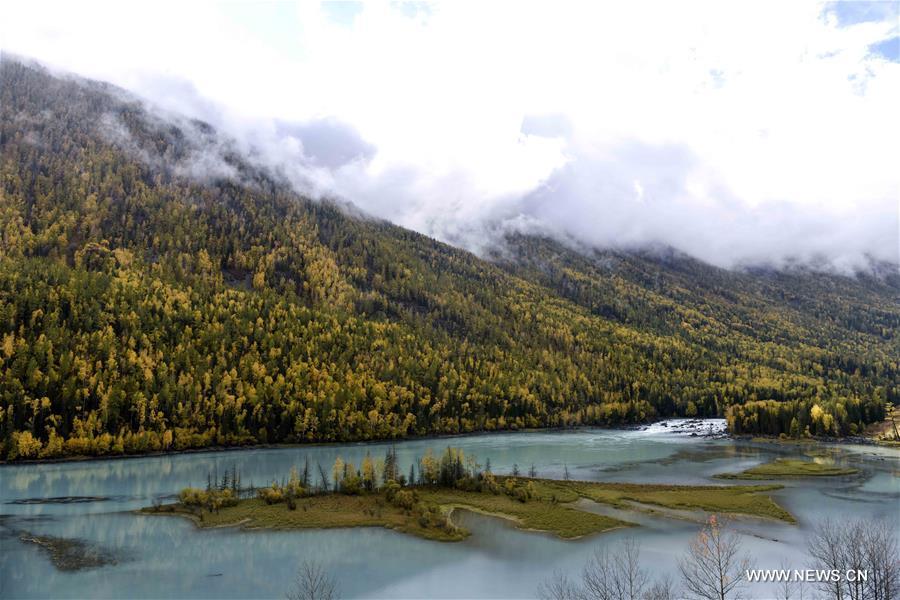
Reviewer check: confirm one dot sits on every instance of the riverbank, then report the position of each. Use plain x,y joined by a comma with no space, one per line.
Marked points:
886,433
375,442
852,440
695,428
288,445
883,433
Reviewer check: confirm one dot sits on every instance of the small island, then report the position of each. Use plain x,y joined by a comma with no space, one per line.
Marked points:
789,468
421,504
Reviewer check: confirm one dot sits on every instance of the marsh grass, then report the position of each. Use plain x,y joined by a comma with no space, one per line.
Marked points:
787,468
749,500
539,514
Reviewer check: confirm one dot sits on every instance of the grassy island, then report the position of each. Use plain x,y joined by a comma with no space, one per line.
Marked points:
430,520
423,505
788,468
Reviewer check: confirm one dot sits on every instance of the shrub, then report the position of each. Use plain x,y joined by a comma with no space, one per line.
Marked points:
293,489
271,495
390,490
193,497
514,488
489,483
221,498
469,484
405,499
209,499
430,515
351,485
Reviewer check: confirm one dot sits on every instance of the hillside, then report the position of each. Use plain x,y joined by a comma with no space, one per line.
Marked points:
159,290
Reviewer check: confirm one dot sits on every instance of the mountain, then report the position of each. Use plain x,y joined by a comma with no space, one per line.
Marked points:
160,289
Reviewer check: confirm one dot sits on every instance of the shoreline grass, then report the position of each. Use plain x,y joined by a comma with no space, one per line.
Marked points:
789,468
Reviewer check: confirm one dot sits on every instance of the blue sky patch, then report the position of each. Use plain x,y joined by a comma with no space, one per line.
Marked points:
342,12
888,49
853,12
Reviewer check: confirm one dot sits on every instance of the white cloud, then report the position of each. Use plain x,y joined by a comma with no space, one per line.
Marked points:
738,132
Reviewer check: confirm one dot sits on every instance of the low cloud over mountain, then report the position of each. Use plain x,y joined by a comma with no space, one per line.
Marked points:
743,135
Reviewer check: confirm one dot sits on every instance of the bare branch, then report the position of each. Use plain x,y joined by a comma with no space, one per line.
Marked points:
312,583
559,587
713,568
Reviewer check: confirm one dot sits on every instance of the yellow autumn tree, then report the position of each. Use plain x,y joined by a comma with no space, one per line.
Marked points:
369,477
337,472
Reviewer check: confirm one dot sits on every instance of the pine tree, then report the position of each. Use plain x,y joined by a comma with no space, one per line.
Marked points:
390,466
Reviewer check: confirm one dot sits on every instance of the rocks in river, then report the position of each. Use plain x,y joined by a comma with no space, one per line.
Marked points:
700,427
70,554
60,500
707,428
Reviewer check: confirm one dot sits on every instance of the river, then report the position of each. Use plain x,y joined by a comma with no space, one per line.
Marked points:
162,557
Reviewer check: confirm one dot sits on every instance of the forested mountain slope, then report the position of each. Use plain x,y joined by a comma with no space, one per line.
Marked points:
159,291
838,330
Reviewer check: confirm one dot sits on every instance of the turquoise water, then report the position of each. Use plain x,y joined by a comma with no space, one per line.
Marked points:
168,557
